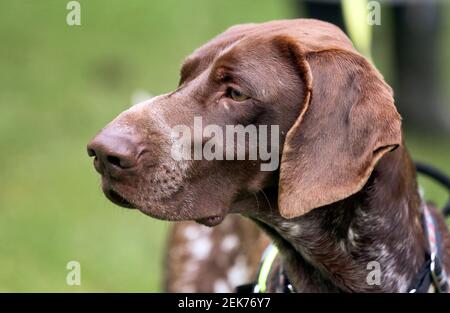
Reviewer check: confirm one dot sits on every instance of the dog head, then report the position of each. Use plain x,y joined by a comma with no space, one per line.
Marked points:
285,102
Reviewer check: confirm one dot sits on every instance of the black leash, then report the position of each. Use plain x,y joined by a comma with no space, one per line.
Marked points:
432,272
438,176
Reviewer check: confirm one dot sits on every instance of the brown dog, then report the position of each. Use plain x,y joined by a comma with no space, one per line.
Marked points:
345,193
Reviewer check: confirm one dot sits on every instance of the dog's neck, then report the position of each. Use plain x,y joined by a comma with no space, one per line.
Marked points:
371,241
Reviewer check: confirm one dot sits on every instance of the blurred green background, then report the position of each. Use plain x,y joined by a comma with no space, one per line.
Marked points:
59,85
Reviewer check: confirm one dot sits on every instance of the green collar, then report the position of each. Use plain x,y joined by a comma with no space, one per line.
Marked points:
266,263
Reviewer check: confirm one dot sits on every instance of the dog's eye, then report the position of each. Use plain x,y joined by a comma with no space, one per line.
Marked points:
236,95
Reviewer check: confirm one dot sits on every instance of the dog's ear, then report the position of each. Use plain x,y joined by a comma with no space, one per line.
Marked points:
347,122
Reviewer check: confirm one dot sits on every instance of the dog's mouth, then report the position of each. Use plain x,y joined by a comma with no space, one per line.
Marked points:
115,198
169,208
211,220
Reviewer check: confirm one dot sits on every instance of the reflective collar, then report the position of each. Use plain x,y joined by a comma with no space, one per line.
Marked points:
265,268
267,259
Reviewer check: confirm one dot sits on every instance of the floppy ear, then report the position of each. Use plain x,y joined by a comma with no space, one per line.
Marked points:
347,122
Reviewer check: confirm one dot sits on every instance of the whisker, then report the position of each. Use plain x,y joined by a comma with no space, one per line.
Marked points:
257,202
267,199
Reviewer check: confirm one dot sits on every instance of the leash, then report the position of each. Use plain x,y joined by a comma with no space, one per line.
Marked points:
438,176
431,277
432,273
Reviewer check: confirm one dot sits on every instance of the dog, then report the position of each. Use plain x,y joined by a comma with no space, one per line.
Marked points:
344,195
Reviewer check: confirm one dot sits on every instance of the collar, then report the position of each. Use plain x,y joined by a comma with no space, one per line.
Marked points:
266,267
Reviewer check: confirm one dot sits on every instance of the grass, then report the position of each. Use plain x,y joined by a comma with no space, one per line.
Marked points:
58,86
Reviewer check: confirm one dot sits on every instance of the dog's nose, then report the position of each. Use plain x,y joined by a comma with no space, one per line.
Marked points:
113,151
